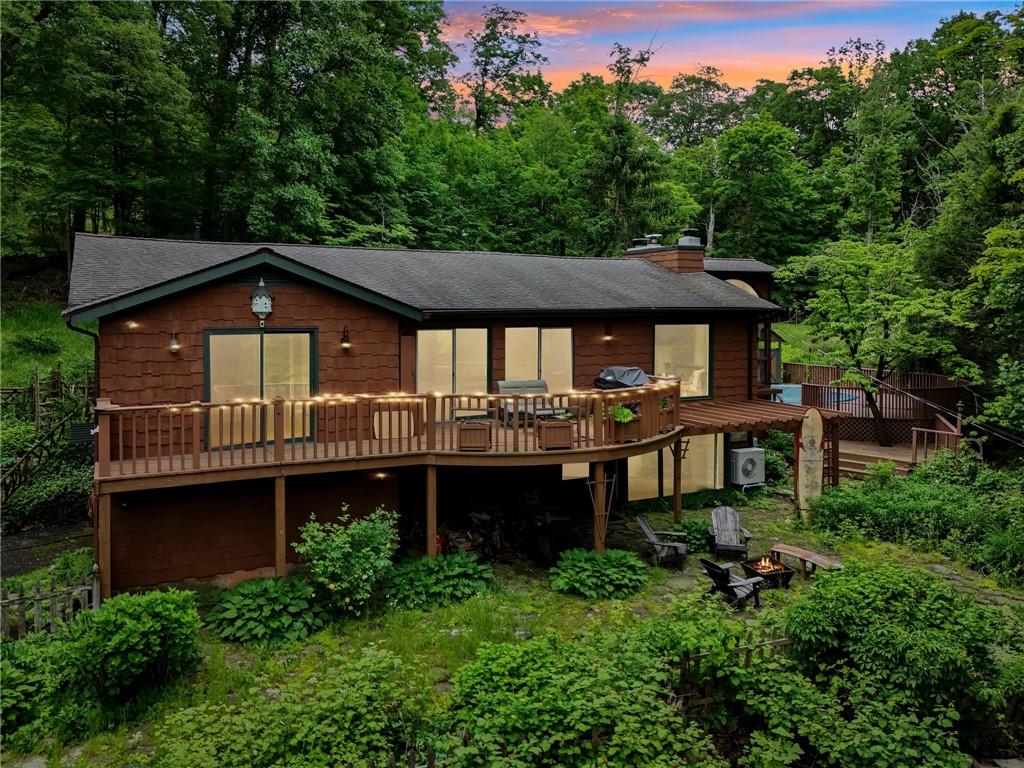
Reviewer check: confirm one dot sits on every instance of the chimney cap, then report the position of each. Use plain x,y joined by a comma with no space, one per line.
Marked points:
690,239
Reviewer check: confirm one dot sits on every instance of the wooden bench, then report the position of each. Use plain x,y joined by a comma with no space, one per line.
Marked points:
805,556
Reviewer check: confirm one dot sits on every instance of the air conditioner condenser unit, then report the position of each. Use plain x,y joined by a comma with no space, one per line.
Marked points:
746,466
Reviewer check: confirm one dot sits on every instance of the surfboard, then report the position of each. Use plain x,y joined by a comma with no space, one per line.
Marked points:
812,461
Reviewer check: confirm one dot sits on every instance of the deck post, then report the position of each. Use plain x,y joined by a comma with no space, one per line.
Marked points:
431,510
834,453
599,499
278,429
280,527
103,543
797,435
103,437
431,423
677,480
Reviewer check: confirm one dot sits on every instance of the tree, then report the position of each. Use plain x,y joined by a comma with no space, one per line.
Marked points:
872,299
761,195
502,78
697,106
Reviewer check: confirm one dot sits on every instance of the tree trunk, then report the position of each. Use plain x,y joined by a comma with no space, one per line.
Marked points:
881,429
711,228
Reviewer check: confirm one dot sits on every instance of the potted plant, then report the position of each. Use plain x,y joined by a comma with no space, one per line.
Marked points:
555,434
625,425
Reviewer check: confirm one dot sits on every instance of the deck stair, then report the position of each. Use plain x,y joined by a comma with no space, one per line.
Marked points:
854,458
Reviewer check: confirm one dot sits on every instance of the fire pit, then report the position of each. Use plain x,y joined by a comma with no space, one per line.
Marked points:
774,572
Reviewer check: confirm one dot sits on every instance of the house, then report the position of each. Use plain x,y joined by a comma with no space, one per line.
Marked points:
244,386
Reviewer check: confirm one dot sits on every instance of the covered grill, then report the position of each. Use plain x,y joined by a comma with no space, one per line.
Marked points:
619,376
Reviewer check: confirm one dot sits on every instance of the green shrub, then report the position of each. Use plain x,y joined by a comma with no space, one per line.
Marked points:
426,583
16,437
26,689
696,534
952,504
901,631
354,710
780,442
36,344
775,468
268,611
59,492
727,497
110,660
348,559
604,700
613,574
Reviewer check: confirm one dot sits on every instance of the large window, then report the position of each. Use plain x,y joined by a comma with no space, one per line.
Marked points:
248,366
451,360
540,353
683,351
703,467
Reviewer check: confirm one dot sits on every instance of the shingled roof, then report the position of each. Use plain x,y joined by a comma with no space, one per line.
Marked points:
111,273
737,265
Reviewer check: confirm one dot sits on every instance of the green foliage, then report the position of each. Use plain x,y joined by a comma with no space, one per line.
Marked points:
355,709
775,467
348,559
59,492
36,344
426,583
905,632
696,534
548,702
622,414
614,573
268,611
952,503
16,437
780,442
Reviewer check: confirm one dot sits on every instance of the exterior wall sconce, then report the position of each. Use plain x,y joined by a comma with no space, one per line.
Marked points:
131,325
608,336
175,345
346,342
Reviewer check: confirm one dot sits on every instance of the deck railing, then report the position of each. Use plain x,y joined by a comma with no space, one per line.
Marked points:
802,373
926,442
161,439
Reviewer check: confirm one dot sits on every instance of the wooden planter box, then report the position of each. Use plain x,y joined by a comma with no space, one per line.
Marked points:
666,420
474,435
554,435
626,433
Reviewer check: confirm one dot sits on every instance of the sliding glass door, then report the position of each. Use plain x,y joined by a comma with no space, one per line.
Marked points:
242,367
540,353
452,360
684,351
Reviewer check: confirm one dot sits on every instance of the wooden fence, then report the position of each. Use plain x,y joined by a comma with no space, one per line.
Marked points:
36,457
50,393
822,375
44,610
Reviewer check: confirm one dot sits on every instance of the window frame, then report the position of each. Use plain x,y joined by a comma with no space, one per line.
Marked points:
488,363
314,368
540,348
711,356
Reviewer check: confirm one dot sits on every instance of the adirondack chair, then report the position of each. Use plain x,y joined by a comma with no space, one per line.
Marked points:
736,591
662,549
728,537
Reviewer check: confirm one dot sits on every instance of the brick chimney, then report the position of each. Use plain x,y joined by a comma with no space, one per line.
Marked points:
687,255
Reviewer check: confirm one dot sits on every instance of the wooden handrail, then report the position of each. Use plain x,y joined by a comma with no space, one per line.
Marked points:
137,440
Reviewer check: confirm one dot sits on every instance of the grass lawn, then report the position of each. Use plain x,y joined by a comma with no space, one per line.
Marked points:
33,333
433,645
799,346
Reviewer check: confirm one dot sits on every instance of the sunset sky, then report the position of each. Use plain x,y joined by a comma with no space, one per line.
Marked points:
747,40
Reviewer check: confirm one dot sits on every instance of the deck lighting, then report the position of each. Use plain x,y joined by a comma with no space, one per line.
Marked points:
346,342
175,345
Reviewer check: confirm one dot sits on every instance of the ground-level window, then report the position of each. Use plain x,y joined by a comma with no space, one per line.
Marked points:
684,351
256,365
540,353
702,468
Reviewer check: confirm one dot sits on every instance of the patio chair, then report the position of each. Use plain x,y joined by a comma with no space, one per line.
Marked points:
528,409
727,536
737,592
662,549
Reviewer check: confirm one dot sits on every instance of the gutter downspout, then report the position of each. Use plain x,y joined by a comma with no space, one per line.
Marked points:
95,353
